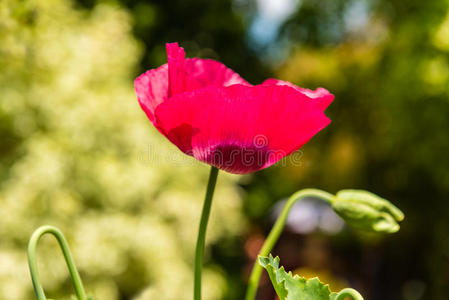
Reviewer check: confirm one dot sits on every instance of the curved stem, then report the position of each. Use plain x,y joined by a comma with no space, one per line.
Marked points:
32,245
199,252
276,232
349,293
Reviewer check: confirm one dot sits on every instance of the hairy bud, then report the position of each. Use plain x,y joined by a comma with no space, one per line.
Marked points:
367,211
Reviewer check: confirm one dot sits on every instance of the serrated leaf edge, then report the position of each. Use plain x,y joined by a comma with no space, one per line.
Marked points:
273,262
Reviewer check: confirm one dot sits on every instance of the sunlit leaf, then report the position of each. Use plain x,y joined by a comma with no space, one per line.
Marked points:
289,287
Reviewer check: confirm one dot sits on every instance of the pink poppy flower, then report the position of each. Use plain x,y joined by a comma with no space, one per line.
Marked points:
209,112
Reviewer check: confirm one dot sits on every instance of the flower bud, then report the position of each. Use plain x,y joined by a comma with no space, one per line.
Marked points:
367,211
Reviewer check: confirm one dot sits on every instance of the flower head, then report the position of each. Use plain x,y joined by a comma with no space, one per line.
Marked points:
209,112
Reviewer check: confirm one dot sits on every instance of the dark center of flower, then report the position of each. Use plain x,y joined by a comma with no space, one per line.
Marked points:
238,158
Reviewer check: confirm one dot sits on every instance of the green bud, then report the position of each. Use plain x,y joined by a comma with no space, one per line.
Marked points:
367,211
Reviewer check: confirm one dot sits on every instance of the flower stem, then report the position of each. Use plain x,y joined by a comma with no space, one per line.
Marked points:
199,252
276,232
32,245
348,293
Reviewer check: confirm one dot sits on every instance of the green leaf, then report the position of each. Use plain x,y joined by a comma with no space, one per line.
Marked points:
289,287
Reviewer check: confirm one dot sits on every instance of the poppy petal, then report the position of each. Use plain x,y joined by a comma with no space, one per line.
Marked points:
240,129
322,96
209,72
152,89
194,73
180,75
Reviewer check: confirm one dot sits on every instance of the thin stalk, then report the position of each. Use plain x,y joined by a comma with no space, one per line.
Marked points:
199,252
348,293
32,245
276,232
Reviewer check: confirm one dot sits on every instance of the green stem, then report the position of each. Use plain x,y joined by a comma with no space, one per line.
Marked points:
276,232
32,245
199,252
348,293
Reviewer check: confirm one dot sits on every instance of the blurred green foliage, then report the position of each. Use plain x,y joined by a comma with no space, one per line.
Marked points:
209,29
77,152
388,64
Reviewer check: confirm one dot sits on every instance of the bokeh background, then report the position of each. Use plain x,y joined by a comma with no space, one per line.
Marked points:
77,152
